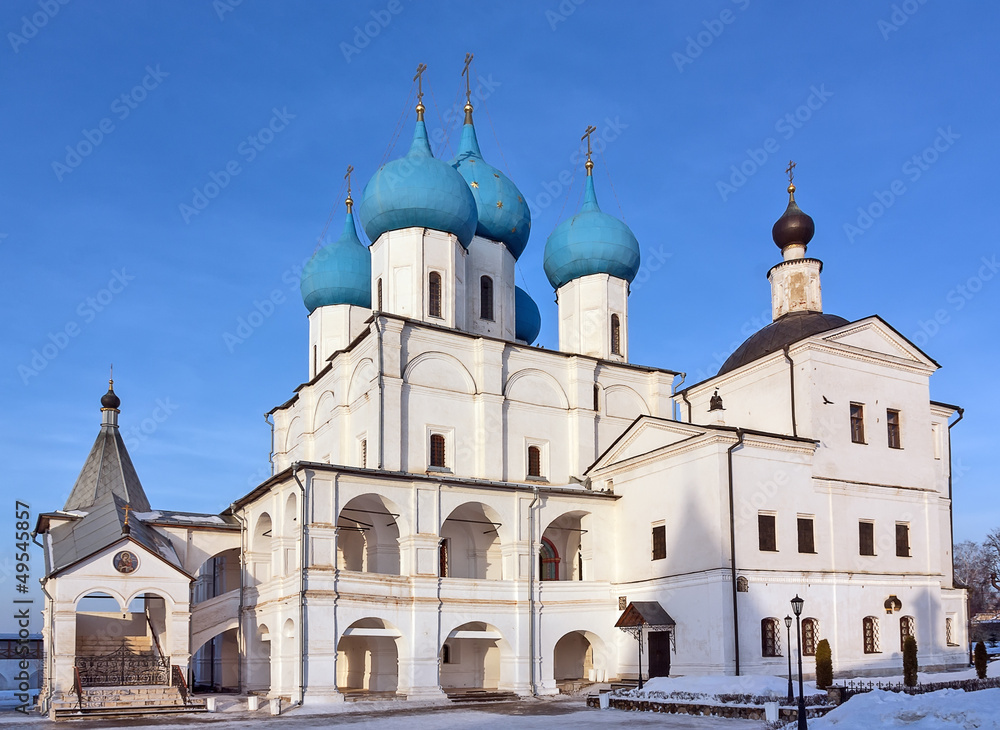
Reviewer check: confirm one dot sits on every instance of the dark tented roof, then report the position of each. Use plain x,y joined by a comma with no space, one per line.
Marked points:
108,470
645,613
785,330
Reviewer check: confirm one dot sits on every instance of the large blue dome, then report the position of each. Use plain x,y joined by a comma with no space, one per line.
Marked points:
503,214
339,273
527,318
418,190
591,242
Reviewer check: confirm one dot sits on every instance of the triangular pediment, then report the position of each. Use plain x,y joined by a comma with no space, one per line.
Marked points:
875,335
644,435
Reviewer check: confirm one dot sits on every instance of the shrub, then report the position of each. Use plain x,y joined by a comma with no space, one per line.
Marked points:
824,665
910,661
980,658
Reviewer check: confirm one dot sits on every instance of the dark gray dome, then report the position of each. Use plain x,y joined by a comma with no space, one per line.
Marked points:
109,399
785,330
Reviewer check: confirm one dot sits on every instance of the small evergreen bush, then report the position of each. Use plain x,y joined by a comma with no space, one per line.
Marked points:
824,665
980,658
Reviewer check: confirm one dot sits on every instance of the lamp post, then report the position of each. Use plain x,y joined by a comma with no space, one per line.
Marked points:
788,635
797,610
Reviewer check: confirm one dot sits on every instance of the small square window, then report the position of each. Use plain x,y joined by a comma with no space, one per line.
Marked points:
659,542
766,537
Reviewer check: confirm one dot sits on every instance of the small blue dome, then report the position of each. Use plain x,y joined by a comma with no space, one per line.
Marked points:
339,273
527,318
591,242
503,214
418,190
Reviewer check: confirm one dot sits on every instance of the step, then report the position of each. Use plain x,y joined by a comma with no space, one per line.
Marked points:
110,712
481,696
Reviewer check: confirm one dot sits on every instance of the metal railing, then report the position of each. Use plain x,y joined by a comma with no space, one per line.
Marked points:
123,667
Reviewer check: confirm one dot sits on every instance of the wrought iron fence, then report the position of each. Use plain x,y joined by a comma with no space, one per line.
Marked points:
850,689
123,667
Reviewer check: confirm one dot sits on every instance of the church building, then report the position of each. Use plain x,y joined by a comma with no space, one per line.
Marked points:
453,510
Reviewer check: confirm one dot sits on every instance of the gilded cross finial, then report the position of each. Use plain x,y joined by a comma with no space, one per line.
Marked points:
126,509
349,201
791,174
111,377
468,88
586,135
419,78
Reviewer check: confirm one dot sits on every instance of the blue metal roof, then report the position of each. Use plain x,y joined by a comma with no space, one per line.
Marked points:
591,242
418,190
339,273
527,318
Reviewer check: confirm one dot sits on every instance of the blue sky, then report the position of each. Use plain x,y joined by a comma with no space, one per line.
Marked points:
117,115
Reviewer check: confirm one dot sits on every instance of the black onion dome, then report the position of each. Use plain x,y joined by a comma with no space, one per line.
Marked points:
109,399
793,226
785,330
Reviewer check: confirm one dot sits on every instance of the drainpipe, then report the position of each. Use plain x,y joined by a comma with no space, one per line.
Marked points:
50,656
381,398
241,638
302,583
791,386
951,529
270,457
732,549
531,591
685,399
676,388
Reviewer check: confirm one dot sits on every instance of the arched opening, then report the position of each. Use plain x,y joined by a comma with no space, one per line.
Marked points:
260,544
770,637
616,335
475,654
470,543
258,677
215,665
573,659
368,536
434,294
118,646
217,575
486,298
907,627
368,657
565,541
810,636
290,524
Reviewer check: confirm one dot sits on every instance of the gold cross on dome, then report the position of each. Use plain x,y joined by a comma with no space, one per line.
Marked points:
350,200
791,171
419,78
126,509
586,135
468,76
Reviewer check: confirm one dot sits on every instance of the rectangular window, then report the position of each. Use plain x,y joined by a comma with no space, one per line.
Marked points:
534,461
870,631
857,423
766,537
659,542
434,293
892,427
486,297
807,543
949,631
770,637
437,450
443,558
902,540
866,538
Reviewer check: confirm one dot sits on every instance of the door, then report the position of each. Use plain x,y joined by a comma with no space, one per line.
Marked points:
659,654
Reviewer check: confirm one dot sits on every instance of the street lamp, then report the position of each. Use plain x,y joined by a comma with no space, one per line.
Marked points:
797,610
788,635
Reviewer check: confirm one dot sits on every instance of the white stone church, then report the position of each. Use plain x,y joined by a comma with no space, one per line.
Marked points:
453,510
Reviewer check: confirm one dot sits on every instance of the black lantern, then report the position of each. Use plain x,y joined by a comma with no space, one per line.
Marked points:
788,636
797,610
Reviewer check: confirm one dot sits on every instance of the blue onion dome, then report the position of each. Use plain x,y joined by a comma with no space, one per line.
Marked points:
503,213
340,272
591,242
527,318
418,190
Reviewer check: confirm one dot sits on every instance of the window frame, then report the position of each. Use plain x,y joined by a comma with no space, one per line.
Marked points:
616,335
435,295
872,633
658,541
861,545
858,423
437,439
907,627
800,520
486,299
770,638
810,635
773,532
548,565
903,549
893,428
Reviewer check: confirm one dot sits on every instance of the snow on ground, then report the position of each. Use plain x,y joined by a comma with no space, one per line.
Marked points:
710,686
941,710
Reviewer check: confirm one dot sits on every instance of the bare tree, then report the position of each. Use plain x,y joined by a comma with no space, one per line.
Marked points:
975,568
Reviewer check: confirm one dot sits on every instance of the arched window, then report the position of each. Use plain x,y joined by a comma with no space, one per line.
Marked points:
810,636
486,298
434,293
437,450
742,584
548,561
870,630
378,288
534,461
770,637
907,627
597,397
616,335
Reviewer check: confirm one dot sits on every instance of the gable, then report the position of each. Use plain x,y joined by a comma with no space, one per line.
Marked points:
646,434
874,335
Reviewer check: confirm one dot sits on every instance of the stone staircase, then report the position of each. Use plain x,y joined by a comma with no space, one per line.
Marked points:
479,695
124,702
